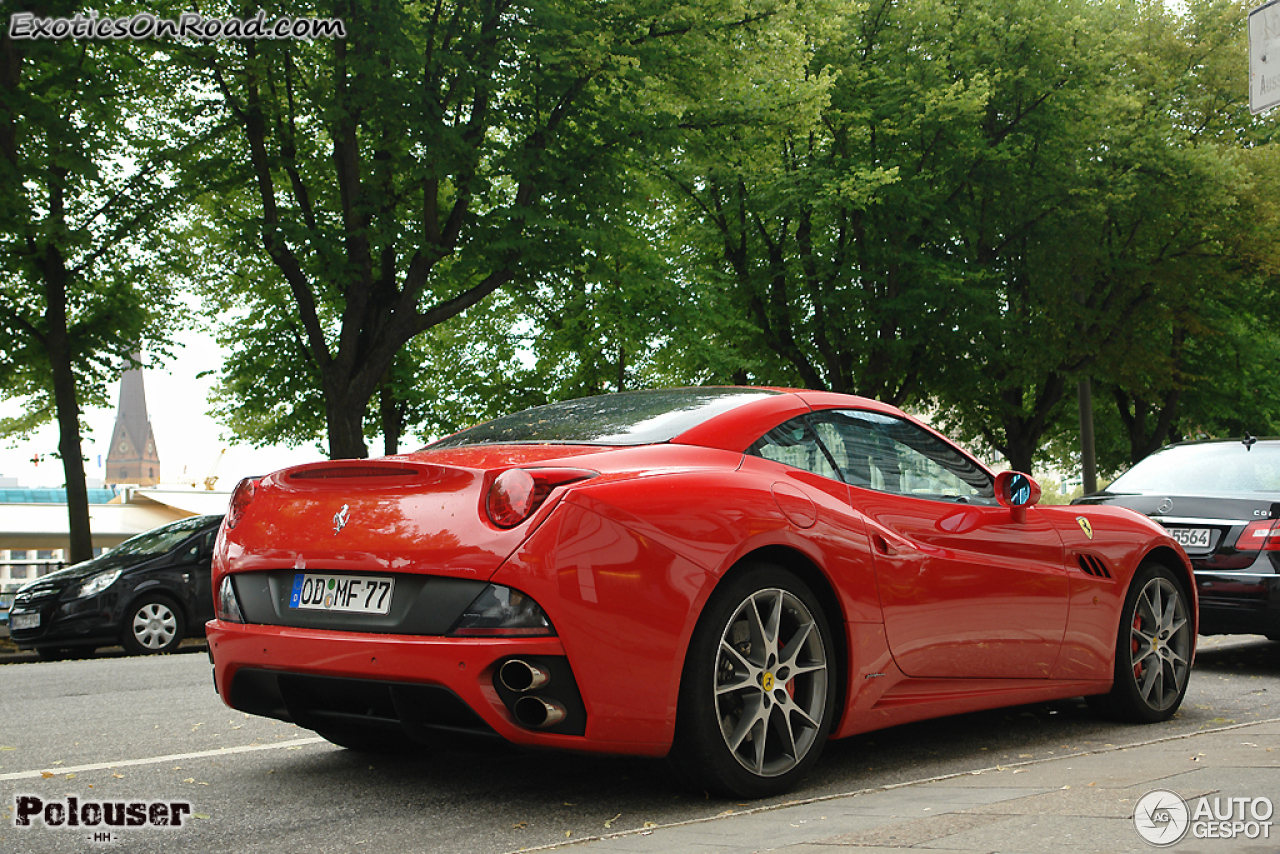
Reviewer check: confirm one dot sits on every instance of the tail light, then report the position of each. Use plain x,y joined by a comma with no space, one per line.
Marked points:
240,499
1263,535
517,493
226,606
502,612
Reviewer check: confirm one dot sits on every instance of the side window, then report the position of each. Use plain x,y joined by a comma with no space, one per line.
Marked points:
888,454
795,444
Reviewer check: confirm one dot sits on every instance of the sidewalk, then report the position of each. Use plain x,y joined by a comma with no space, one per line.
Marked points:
10,654
1082,803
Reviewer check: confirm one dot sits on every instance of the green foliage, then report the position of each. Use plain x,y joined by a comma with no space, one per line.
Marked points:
991,201
462,208
88,263
397,177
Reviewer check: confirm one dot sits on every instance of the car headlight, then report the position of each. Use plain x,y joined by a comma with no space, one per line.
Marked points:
97,583
502,612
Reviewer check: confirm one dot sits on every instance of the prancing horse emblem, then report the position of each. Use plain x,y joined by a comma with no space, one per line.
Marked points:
340,519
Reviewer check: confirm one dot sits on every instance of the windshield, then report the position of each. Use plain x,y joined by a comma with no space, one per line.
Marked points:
629,418
157,541
1218,467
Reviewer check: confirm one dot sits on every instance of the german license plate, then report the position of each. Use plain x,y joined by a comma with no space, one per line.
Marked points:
352,594
1191,539
24,621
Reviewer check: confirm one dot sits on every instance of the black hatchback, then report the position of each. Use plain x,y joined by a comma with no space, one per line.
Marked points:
146,594
1221,500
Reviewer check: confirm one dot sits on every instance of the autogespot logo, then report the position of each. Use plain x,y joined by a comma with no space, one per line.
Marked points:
1163,818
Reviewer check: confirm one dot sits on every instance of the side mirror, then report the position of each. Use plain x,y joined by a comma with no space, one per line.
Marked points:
1017,491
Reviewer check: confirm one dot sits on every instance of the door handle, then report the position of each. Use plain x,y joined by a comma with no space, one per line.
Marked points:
882,545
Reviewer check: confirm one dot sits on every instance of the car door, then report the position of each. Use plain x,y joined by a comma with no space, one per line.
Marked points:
967,589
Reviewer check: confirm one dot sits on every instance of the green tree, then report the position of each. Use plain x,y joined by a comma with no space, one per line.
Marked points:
992,195
396,177
86,275
1191,209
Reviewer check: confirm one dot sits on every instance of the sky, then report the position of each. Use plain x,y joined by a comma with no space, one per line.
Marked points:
188,439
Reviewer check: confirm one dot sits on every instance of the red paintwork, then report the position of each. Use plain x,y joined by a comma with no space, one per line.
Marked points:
942,607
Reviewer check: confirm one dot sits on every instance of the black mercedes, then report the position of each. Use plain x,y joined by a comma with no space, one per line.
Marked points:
1221,500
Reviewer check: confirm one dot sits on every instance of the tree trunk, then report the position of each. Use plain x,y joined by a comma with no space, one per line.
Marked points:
344,417
66,402
392,412
347,394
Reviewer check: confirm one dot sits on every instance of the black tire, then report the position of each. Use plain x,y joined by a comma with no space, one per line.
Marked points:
758,694
153,625
1154,647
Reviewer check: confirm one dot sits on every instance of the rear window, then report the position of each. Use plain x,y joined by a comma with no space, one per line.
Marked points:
1224,467
628,418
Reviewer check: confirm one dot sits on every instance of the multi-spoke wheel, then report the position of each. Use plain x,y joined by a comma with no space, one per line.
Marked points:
1153,649
758,695
154,624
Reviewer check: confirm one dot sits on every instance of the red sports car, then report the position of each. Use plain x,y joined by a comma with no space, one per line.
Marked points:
724,576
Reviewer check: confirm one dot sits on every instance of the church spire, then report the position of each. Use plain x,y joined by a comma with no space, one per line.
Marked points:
132,457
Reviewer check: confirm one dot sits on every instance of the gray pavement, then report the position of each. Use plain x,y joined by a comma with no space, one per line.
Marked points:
1081,803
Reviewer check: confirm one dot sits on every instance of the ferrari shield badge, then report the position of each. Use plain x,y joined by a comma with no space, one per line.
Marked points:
1085,526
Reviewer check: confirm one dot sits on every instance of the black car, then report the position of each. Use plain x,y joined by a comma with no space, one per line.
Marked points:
146,594
1221,500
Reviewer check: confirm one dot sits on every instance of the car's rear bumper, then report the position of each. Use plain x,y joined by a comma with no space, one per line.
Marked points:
326,680
1239,603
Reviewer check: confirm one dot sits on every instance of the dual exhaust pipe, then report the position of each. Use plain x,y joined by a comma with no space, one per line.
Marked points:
531,712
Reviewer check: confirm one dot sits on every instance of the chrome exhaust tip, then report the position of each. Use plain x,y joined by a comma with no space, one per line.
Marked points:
537,713
521,676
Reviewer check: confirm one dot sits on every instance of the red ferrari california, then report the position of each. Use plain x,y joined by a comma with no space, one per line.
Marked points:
724,576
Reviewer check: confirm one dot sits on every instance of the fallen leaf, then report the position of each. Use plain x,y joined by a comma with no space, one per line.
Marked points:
46,774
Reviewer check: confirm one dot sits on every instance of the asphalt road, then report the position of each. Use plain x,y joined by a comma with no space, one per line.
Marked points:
146,730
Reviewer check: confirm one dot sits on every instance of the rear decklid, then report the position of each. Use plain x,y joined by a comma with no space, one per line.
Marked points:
410,514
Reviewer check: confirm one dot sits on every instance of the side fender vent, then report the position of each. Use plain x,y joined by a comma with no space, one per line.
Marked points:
1093,565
